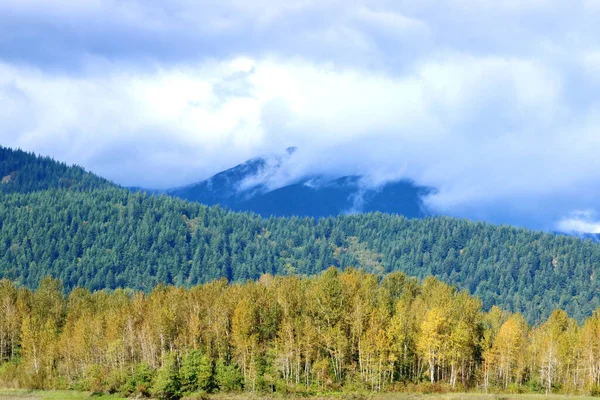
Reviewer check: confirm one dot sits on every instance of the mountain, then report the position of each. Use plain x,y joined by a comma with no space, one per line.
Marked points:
108,237
242,188
224,188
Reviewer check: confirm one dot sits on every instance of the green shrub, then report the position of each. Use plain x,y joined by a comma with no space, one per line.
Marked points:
228,377
166,384
9,374
115,380
139,382
196,373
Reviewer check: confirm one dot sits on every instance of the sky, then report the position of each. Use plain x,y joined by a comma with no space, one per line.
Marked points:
496,104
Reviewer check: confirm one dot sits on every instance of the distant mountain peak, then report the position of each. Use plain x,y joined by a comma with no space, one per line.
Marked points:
246,187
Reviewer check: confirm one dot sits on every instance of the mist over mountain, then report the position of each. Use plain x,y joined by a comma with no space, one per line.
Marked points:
248,187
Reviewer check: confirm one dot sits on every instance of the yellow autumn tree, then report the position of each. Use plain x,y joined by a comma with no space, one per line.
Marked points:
508,348
433,339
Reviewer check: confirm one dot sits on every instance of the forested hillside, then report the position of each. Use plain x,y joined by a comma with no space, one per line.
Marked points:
337,331
25,172
114,238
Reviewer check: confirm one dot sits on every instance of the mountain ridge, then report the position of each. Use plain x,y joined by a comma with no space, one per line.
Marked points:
23,172
311,196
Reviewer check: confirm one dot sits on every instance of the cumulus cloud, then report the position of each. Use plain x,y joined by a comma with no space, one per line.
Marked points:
492,103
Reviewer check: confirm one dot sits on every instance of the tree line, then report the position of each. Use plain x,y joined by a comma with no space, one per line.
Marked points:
336,331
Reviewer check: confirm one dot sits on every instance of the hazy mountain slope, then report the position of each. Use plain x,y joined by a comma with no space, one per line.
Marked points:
224,187
311,197
341,196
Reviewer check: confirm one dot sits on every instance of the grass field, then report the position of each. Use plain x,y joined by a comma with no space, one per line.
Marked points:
18,394
8,394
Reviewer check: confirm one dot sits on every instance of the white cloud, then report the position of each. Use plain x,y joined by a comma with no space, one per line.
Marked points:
582,221
490,102
590,61
227,111
392,22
